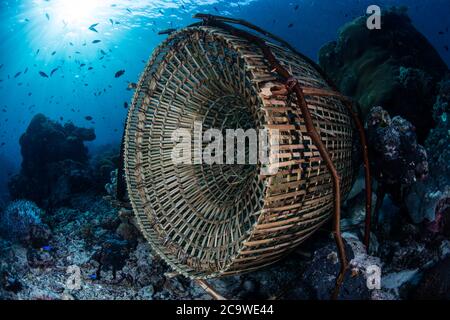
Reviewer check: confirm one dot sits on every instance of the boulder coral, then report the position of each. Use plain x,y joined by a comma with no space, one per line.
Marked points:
55,162
395,67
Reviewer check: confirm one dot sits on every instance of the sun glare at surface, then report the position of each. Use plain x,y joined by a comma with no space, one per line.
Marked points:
74,14
77,12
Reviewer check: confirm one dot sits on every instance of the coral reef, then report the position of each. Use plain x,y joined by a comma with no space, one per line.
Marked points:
81,231
438,141
424,198
398,162
396,68
397,158
21,222
115,262
54,164
104,163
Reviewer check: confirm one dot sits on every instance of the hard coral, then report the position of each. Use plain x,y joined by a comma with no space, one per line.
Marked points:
21,222
396,67
54,165
397,158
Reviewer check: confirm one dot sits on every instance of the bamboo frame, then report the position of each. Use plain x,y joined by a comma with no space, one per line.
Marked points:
200,223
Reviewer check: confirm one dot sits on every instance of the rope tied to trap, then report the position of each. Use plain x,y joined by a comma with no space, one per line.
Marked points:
199,223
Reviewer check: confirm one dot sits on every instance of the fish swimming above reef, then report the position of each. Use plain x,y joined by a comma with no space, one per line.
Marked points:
53,71
119,73
17,74
92,27
96,41
88,118
43,74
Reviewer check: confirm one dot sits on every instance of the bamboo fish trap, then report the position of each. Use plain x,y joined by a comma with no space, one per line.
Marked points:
215,220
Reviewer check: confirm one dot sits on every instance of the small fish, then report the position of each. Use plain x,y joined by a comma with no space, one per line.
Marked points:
125,105
47,16
53,71
92,27
96,41
132,85
47,248
88,118
129,10
290,25
112,22
90,68
2,144
53,53
217,10
71,44
17,74
37,52
93,276
82,65
43,74
119,73
441,33
296,7
102,52
26,70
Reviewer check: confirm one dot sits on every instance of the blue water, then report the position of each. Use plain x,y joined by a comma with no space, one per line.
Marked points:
45,35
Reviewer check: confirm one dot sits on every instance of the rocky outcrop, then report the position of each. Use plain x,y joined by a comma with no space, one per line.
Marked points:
395,67
54,164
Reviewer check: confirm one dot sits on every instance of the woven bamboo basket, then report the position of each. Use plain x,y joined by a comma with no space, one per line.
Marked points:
215,220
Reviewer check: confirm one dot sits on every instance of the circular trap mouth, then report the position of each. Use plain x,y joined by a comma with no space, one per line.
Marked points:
208,220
